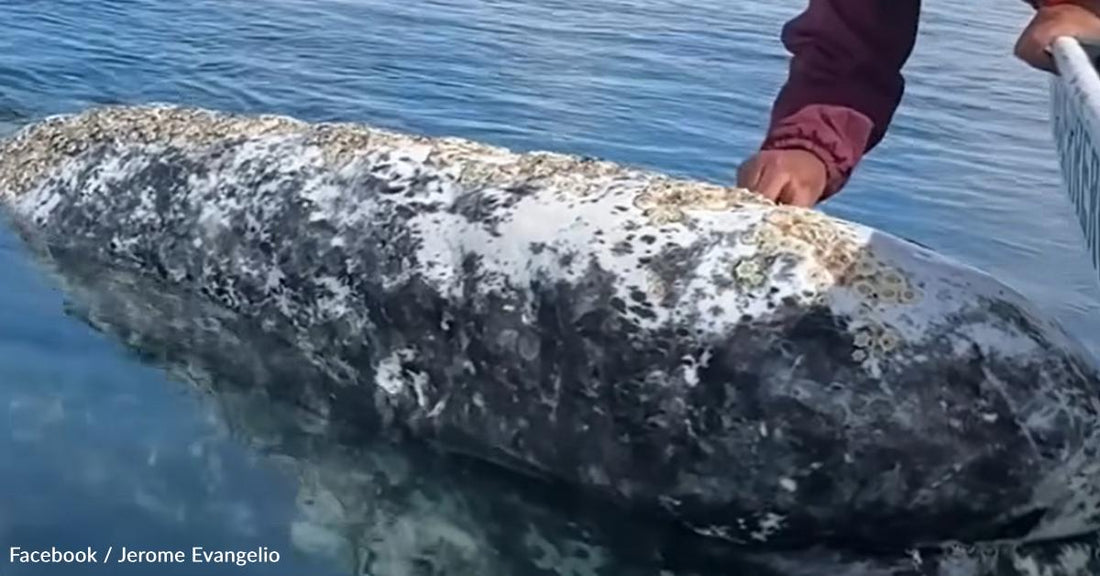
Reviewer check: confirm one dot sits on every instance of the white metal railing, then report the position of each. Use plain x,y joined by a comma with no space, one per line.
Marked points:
1075,114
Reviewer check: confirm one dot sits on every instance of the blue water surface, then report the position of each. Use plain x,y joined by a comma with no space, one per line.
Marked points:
103,449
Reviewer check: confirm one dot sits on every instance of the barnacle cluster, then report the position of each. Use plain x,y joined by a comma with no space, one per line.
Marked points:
749,272
665,201
830,250
874,338
836,259
880,284
826,244
33,152
479,165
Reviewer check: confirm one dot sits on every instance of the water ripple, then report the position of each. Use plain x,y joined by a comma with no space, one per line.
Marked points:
679,86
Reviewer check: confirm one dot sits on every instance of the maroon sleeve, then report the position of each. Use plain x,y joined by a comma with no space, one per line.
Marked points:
845,80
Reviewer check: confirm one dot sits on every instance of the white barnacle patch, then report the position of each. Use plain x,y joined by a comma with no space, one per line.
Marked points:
767,526
711,306
335,297
712,531
1027,566
748,273
393,377
567,558
668,502
872,344
691,374
388,374
788,484
39,203
1075,558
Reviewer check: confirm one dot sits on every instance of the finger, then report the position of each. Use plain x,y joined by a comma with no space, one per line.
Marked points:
1040,60
1036,53
1044,60
748,173
772,182
801,196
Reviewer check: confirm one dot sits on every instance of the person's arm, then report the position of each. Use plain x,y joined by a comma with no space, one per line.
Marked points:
844,82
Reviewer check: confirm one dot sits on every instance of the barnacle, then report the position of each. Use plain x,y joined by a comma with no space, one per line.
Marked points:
655,285
749,272
862,339
662,215
888,340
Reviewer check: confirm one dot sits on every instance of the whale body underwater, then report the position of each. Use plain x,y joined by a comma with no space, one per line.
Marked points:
763,375
374,506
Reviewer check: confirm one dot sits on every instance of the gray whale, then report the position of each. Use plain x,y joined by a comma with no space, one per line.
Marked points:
764,375
372,506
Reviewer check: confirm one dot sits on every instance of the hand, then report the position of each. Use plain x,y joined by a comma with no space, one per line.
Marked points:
1080,20
794,177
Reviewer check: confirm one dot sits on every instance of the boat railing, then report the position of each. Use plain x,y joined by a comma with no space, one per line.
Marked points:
1075,116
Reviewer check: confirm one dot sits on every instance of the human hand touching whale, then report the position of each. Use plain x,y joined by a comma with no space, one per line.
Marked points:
845,84
794,177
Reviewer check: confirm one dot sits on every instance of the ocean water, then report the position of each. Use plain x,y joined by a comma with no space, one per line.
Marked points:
102,448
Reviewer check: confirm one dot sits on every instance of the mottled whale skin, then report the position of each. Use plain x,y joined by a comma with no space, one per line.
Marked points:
376,507
765,375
